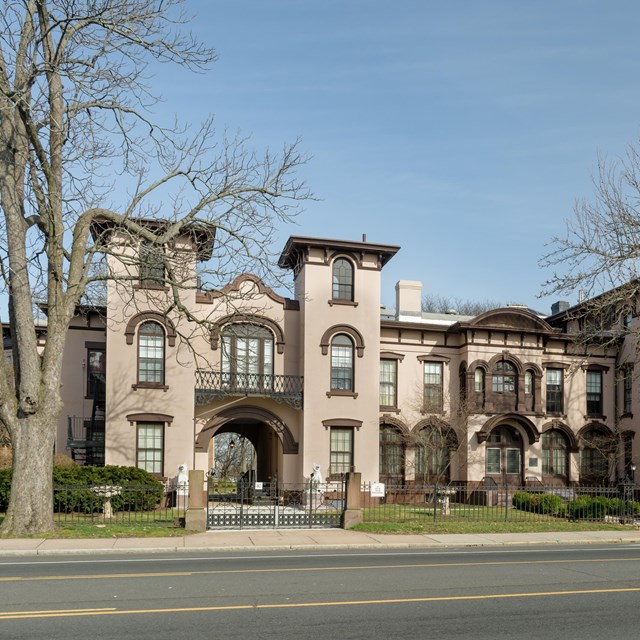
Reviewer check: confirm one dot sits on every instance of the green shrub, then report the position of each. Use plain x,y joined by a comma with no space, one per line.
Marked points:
537,502
72,488
587,508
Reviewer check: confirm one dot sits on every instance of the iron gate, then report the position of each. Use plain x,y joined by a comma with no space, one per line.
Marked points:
258,505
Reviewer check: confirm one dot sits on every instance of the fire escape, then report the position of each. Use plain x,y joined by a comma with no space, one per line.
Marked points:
85,436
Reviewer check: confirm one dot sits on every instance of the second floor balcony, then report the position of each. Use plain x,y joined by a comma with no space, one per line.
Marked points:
216,385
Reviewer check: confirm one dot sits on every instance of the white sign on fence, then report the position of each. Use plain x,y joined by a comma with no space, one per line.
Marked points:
376,490
258,486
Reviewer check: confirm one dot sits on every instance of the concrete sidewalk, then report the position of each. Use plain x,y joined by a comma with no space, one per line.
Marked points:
301,540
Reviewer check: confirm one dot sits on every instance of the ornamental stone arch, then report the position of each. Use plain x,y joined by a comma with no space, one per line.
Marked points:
433,422
150,316
507,357
264,416
239,318
356,336
386,419
565,430
596,426
512,419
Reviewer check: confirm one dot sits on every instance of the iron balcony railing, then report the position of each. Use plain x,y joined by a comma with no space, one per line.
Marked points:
215,385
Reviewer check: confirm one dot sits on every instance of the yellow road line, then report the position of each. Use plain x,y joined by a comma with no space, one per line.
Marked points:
50,611
174,574
9,615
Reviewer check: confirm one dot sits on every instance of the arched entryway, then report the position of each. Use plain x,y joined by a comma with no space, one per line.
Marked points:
506,439
504,455
264,432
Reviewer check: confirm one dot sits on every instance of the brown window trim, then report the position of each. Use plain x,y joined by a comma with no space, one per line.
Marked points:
150,285
150,385
389,409
342,392
149,417
342,303
598,416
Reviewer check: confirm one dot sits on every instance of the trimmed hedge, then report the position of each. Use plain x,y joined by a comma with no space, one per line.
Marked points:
580,508
72,489
537,502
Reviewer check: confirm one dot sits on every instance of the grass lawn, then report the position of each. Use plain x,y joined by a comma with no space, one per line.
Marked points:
478,526
476,519
87,527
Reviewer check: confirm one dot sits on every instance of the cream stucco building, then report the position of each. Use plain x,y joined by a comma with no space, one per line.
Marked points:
331,378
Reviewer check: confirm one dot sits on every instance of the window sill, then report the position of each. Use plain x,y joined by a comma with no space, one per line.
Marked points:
339,392
149,385
628,414
385,409
595,416
151,285
342,303
556,414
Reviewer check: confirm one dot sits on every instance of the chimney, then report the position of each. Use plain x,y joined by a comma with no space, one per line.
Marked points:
408,298
559,307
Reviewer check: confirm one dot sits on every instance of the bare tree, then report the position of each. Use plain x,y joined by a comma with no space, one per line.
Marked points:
596,260
78,149
436,303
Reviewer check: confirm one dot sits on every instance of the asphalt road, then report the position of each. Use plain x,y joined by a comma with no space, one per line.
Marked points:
542,593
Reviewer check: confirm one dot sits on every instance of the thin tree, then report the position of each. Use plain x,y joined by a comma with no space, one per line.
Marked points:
78,146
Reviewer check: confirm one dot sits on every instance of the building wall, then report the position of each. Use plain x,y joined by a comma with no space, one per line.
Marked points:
303,331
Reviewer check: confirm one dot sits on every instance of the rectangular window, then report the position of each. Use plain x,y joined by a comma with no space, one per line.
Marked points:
388,373
150,456
627,390
341,450
493,461
594,393
151,264
432,386
96,370
555,399
513,461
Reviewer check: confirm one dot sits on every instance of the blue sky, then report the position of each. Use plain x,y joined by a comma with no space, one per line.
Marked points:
462,131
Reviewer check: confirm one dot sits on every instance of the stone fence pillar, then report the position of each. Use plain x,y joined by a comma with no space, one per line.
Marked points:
196,516
353,500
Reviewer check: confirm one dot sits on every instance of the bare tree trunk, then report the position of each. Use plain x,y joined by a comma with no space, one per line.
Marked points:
31,504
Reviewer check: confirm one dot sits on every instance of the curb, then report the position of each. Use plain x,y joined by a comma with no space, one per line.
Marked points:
309,547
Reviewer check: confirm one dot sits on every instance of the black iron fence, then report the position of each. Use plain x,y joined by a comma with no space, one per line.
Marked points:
495,503
249,504
129,504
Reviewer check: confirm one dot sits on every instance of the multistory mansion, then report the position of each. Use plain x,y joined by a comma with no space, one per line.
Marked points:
332,378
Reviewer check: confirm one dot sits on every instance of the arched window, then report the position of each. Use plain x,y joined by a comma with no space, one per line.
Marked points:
462,383
391,455
342,363
150,353
432,455
554,454
504,377
528,382
342,280
247,356
596,446
478,380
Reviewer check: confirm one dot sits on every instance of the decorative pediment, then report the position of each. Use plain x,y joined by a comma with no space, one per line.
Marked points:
512,319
